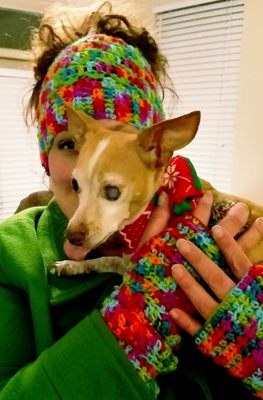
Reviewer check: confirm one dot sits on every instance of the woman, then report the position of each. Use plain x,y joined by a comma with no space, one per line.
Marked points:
84,337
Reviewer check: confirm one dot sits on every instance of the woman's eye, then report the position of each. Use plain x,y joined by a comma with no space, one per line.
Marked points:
112,193
66,144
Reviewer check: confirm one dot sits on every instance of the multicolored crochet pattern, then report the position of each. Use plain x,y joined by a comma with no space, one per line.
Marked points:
102,76
137,312
233,336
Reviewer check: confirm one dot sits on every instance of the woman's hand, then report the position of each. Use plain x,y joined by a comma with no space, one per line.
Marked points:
217,280
234,252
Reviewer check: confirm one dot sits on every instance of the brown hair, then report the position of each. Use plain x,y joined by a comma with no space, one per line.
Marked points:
59,29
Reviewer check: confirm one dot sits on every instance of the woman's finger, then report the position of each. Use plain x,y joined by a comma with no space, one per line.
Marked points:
202,301
233,253
185,321
158,220
252,236
204,207
235,219
216,279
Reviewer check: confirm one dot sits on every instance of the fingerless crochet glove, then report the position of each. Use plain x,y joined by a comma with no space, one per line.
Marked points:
137,312
233,336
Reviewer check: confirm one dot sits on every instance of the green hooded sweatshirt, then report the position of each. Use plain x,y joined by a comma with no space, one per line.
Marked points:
54,343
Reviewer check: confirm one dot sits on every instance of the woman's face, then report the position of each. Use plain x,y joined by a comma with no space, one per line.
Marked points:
62,159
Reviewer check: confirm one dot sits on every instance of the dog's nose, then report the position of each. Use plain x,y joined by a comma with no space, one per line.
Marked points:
76,238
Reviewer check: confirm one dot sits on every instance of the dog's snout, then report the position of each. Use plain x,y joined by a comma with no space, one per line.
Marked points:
77,238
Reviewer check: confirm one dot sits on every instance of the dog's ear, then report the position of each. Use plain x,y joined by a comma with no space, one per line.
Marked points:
157,143
79,124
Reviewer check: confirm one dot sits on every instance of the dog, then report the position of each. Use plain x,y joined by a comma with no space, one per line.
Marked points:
118,172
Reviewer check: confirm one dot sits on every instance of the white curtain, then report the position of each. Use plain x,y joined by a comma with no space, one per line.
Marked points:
20,169
202,42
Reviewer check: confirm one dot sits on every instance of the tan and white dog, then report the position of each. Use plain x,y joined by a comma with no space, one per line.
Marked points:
118,172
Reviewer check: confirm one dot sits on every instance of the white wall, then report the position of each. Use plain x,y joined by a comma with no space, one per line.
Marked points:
33,5
248,157
41,5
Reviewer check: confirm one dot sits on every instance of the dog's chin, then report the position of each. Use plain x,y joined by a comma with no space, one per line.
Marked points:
109,244
104,241
113,246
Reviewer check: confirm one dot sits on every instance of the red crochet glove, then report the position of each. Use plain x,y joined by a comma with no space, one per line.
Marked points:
233,336
137,312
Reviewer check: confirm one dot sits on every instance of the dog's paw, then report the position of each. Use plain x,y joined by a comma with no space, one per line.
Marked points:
67,267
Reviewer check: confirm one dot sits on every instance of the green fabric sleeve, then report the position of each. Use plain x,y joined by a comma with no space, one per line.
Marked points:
37,361
86,363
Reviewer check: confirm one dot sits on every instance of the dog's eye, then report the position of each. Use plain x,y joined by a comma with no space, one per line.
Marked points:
112,193
66,144
75,185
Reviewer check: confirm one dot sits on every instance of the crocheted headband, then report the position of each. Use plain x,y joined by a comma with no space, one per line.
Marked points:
102,76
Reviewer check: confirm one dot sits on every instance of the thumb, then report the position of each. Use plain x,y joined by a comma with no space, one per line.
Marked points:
158,220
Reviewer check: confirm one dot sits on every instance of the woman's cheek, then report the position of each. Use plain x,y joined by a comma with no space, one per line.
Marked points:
60,170
62,178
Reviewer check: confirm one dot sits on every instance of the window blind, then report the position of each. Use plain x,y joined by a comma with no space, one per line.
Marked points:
20,169
202,42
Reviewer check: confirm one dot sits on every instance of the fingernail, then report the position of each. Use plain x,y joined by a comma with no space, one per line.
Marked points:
174,314
177,270
237,209
217,231
183,246
162,199
259,222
